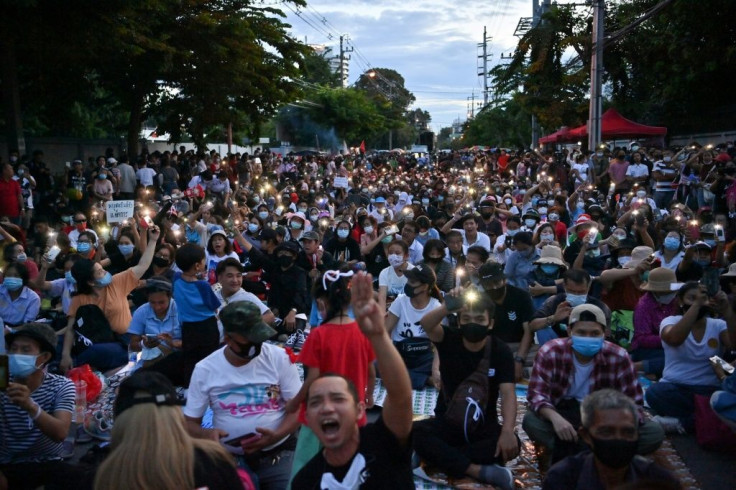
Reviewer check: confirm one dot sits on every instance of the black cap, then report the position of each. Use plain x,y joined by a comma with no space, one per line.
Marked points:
288,246
491,271
145,387
422,273
267,234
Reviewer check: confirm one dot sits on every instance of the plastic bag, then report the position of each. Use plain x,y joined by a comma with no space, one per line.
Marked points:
84,373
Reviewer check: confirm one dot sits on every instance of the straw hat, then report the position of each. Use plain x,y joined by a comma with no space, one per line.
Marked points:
551,254
661,280
637,255
731,271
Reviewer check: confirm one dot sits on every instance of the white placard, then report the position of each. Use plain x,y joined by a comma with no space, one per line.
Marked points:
341,182
117,211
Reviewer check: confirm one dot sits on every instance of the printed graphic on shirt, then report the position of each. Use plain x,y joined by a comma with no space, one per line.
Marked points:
251,400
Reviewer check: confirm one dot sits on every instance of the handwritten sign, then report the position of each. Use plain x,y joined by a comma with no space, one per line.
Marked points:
340,182
117,211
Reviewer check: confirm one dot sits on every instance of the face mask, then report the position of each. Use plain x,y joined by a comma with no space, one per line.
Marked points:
550,269
581,205
547,237
256,199
440,198
409,216
496,293
511,232
303,210
542,210
620,236
622,261
554,217
576,299
667,159
397,193
368,229
587,346
594,252
13,159
313,217
21,257
641,194
22,365
410,291
473,332
702,262
263,214
101,176
507,201
160,262
614,453
295,225
83,247
21,172
425,202
105,280
486,214
666,299
13,283
285,261
342,233
252,227
535,201
69,278
247,351
396,260
126,249
530,223
710,242
599,153
387,239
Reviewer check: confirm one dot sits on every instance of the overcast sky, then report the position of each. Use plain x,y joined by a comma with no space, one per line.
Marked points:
431,43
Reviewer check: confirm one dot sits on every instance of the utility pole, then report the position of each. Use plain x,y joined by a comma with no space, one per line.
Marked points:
471,112
343,59
484,73
596,73
537,12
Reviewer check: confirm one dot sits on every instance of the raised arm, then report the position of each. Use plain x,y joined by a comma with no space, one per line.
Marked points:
397,408
142,266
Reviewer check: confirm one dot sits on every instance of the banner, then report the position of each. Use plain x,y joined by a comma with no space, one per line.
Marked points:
118,211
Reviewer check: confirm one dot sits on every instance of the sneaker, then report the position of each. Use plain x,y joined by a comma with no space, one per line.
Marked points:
498,476
296,340
671,425
98,426
81,436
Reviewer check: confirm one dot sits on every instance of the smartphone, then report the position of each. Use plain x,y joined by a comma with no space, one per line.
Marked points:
392,230
4,372
453,303
53,253
720,234
711,281
726,366
245,439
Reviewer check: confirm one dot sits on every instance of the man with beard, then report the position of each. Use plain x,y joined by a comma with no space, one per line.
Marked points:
610,428
481,453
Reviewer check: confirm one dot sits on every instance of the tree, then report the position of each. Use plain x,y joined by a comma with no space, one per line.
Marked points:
505,125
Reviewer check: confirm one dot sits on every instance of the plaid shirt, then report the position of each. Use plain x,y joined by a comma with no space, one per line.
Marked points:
553,372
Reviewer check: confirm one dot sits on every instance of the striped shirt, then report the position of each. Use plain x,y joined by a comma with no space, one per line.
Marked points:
21,441
553,372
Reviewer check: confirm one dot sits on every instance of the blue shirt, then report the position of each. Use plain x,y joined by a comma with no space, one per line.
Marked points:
62,287
24,309
519,269
195,300
145,321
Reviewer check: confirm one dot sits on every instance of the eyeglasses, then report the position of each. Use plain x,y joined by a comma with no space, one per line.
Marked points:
80,220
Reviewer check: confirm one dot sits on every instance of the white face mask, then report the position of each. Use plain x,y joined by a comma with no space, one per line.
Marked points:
368,229
622,261
395,260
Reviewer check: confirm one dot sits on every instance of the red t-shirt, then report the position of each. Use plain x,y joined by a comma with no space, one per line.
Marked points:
9,191
339,349
503,162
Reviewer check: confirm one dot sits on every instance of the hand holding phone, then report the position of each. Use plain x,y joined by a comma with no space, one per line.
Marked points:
727,368
244,439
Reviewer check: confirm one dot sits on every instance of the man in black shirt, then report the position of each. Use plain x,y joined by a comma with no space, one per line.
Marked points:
377,456
513,312
446,445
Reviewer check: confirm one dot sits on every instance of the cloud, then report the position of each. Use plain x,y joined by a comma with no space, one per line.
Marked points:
431,43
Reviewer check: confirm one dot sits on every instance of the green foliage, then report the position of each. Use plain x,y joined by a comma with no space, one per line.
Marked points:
507,125
349,111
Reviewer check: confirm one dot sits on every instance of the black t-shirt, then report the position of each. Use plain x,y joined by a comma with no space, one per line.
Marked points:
517,308
457,363
387,464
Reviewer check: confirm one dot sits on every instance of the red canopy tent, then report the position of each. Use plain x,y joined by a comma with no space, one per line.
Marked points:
614,126
558,136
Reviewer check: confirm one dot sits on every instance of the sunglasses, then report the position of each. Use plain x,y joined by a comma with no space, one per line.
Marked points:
80,220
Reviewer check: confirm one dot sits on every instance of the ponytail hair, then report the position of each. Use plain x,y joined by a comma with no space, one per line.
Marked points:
334,287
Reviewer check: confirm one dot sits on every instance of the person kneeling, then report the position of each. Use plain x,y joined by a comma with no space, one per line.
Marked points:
466,353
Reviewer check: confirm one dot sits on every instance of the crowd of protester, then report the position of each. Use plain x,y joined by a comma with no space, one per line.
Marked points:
579,273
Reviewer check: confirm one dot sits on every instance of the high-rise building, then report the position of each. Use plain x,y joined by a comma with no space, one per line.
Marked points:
333,58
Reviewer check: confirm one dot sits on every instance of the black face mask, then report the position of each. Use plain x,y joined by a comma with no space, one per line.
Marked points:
247,351
285,261
473,332
497,293
160,262
486,214
410,291
614,453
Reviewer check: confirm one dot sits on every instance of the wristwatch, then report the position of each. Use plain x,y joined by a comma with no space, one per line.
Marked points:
519,359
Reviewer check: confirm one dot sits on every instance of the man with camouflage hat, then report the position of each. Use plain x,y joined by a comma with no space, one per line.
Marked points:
246,383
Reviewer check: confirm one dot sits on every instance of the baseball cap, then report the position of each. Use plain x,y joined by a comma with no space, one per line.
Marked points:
422,273
576,312
380,199
145,387
40,332
244,318
309,235
491,271
288,246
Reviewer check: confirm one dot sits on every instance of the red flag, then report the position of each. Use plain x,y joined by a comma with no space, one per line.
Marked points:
362,146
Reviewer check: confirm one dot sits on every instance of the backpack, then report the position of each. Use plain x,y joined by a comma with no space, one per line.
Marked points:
466,408
91,327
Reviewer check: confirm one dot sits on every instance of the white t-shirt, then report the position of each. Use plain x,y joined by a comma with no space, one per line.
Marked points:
637,170
582,169
689,362
145,175
671,265
581,379
481,240
408,325
246,397
74,236
240,295
392,281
